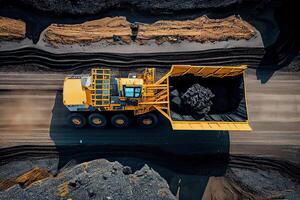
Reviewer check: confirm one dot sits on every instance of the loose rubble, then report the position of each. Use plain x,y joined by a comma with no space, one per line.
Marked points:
101,179
98,179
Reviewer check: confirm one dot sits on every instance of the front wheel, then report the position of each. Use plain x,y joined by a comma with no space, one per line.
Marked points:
120,121
148,120
77,120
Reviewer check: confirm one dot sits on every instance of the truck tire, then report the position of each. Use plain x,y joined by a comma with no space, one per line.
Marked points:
120,121
77,120
97,120
148,120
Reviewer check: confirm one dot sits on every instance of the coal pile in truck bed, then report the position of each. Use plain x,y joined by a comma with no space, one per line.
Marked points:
197,98
219,99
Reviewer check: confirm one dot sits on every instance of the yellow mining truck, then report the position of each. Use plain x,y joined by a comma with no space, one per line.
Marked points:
99,98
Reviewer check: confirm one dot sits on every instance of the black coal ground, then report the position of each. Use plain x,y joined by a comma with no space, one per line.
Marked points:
228,104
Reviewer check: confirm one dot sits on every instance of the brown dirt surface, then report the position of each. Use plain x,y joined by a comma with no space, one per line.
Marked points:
89,32
201,29
26,179
11,29
219,188
252,184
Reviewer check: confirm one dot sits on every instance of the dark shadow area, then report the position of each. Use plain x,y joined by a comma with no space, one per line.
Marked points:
204,142
185,159
264,74
287,45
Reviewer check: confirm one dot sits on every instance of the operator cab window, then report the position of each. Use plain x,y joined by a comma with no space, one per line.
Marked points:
132,92
137,92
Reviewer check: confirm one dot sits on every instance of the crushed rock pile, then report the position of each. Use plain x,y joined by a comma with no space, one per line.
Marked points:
98,179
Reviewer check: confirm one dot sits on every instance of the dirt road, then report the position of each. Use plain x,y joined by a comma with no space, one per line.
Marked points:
32,113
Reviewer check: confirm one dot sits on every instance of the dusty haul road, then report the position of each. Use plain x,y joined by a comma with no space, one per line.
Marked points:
32,114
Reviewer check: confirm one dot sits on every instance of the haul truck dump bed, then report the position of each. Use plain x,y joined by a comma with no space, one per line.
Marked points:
190,97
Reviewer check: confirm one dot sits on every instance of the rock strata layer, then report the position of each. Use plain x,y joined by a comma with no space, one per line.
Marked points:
11,29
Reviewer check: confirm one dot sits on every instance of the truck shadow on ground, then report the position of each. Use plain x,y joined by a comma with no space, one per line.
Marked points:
185,159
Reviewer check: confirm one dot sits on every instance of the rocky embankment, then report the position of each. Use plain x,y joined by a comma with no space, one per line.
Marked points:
109,29
113,41
244,178
117,30
98,179
11,29
201,29
275,40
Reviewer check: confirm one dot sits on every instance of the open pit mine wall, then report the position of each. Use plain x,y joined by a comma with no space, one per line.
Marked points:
279,36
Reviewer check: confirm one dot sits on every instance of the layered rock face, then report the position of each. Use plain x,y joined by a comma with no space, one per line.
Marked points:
109,29
11,29
118,29
201,29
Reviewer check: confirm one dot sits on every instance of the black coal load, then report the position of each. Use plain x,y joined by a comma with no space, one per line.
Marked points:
198,98
207,99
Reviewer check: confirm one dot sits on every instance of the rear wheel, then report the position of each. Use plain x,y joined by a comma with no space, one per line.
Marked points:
97,120
77,120
148,120
120,121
